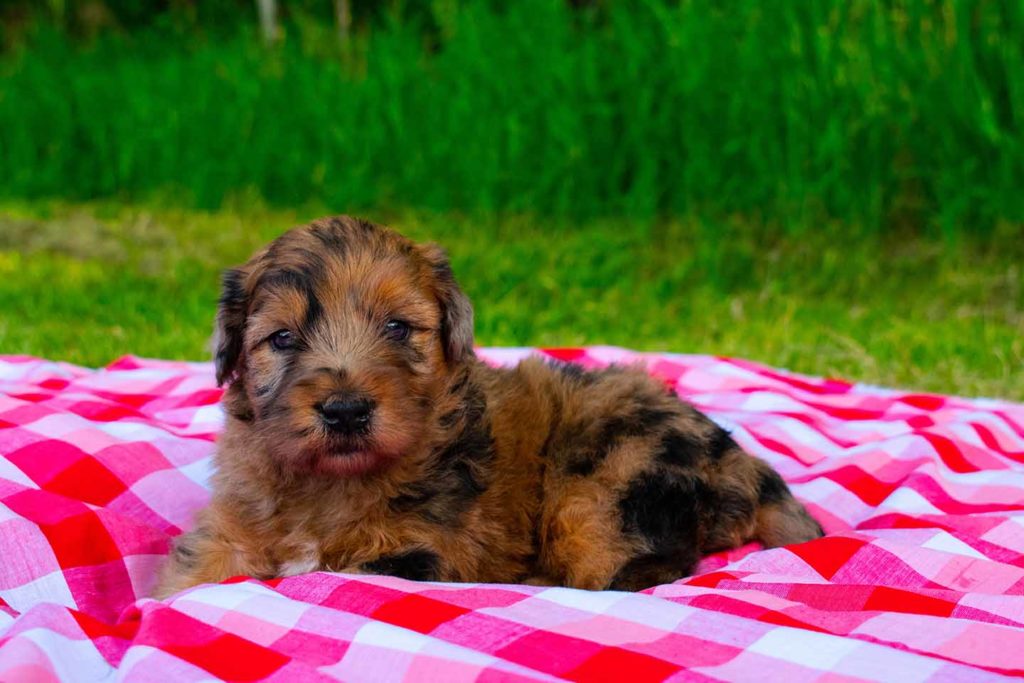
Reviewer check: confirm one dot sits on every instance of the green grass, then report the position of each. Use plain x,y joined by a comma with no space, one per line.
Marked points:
87,283
875,113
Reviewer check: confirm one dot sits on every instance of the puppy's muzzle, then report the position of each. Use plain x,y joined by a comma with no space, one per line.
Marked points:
348,416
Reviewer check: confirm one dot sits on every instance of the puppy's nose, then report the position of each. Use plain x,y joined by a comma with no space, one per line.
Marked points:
347,415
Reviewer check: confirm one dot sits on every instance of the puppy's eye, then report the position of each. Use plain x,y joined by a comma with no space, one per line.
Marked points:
282,340
397,330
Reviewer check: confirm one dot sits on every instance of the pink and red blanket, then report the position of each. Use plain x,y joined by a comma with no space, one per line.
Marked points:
920,578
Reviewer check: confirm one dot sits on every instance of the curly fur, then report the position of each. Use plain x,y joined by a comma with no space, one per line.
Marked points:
542,473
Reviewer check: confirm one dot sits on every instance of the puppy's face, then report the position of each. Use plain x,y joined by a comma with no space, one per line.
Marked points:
337,339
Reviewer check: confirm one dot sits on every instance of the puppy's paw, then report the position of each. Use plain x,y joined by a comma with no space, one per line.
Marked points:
199,557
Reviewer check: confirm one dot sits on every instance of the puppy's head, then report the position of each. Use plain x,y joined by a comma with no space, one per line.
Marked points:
336,339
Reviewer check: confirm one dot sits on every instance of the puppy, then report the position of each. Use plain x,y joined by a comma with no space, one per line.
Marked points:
364,436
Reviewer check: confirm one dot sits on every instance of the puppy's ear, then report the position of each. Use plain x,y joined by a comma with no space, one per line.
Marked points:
229,328
456,311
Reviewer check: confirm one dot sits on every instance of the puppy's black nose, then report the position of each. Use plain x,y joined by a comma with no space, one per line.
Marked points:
347,415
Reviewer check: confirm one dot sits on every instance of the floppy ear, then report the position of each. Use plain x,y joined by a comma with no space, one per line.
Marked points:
230,325
456,311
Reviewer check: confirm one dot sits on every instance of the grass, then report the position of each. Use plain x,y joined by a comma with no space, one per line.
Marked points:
873,113
87,283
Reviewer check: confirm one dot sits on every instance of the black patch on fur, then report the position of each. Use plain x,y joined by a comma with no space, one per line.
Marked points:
581,467
733,505
655,570
663,509
366,226
303,281
314,311
332,236
298,280
473,447
415,565
461,468
459,385
680,449
231,321
574,372
726,511
456,311
644,420
233,289
720,443
448,420
443,271
771,488
414,497
232,297
312,264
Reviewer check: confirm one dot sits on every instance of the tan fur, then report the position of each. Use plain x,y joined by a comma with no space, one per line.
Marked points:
539,474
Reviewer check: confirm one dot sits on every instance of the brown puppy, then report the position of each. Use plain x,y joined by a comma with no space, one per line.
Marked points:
363,435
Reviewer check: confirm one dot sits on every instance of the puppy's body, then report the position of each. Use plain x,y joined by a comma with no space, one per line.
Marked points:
457,471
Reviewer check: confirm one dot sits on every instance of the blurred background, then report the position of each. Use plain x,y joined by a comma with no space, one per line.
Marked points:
836,186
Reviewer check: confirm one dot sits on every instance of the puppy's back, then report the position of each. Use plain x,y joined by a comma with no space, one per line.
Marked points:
627,485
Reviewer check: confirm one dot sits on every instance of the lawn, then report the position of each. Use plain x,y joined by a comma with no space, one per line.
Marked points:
879,114
89,282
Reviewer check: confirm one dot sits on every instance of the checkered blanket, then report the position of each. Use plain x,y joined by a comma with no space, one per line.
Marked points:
920,578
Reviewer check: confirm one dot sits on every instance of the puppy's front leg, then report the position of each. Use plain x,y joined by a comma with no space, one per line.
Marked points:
203,556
